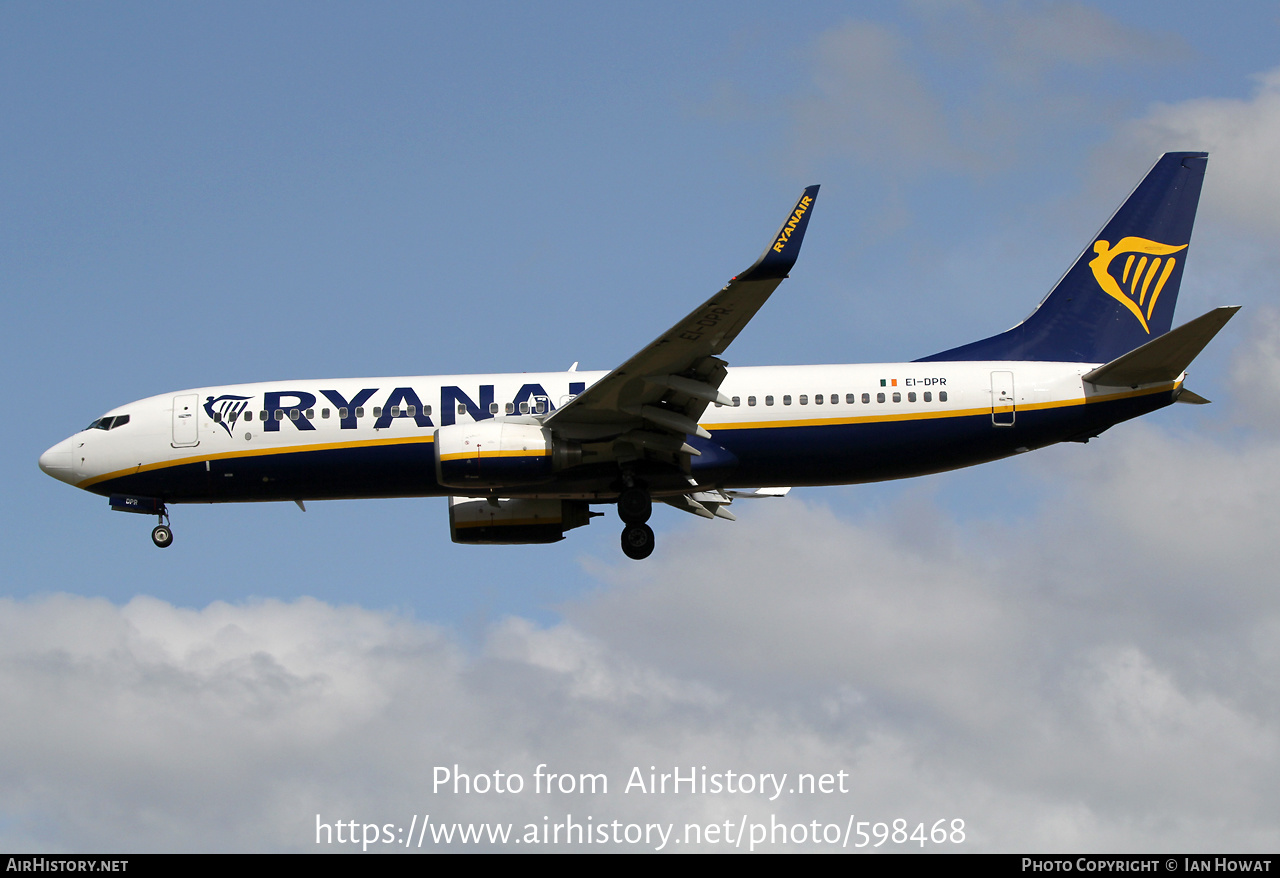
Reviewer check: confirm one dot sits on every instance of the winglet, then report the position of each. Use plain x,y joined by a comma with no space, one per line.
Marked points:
783,251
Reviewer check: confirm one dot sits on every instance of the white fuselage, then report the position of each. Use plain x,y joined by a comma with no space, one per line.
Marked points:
847,411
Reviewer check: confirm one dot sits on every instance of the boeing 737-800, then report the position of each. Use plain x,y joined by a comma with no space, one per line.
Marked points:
523,457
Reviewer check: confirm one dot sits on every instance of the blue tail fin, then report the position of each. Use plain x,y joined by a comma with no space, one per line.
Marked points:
1122,290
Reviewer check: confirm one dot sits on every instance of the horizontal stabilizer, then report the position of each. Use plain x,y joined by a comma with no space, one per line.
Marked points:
1188,396
1163,358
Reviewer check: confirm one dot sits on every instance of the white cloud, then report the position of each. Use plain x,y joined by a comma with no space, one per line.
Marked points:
1025,42
1243,139
970,92
1095,677
870,102
1255,373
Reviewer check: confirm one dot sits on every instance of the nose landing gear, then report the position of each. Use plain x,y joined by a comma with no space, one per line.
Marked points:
162,533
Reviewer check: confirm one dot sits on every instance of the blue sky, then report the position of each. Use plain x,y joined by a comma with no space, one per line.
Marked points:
216,193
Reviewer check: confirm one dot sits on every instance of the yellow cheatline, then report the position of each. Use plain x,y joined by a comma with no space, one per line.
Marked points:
468,455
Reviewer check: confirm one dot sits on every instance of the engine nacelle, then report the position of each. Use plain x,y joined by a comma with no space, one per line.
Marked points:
493,453
479,520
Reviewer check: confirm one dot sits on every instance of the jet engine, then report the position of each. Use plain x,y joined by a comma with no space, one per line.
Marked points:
479,520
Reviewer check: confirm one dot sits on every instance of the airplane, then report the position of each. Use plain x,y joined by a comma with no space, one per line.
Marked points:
523,457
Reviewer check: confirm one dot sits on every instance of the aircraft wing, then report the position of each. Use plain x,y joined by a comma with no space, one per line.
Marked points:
670,382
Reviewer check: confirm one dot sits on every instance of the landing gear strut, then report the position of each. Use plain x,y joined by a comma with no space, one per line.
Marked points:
634,508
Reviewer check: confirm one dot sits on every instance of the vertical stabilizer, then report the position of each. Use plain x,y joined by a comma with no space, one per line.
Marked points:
1121,291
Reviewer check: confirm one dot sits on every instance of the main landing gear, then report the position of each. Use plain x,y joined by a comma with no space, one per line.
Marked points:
634,508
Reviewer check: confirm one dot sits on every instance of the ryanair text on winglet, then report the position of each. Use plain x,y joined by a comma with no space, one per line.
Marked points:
785,234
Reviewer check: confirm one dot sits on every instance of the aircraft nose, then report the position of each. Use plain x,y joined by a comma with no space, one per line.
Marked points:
58,462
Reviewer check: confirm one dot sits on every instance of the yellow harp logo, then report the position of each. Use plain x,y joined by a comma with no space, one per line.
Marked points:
1144,263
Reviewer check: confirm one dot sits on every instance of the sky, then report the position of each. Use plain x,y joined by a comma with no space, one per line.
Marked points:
1070,651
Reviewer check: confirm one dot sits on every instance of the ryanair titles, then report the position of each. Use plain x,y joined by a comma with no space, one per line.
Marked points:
785,235
297,407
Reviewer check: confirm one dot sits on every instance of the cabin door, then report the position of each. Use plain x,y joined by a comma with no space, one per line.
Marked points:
185,420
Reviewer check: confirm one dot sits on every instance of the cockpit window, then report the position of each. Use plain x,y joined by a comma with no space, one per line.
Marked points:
109,422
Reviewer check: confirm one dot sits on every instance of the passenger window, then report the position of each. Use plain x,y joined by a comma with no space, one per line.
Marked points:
866,398
462,408
737,401
751,400
817,400
850,399
217,417
524,408
786,400
293,414
911,397
311,413
395,411
942,396
768,400
493,408
411,411
426,410
377,411
897,397
360,411
879,397
928,397
324,413
279,414
342,413
262,416
248,416
540,406
511,408
804,399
